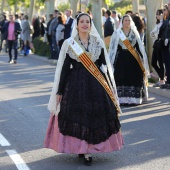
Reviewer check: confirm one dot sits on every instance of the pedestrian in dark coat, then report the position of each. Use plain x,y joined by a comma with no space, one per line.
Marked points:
11,31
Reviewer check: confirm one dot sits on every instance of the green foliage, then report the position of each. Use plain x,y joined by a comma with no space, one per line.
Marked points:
63,6
108,2
41,48
121,7
111,6
89,7
152,80
122,4
124,9
26,2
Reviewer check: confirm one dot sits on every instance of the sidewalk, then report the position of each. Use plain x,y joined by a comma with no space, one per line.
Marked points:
158,91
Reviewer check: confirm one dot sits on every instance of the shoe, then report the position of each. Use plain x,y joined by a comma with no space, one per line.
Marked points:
165,86
88,161
81,155
9,61
158,84
13,62
168,86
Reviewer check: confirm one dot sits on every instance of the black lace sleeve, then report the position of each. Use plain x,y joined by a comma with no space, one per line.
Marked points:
64,74
103,61
102,58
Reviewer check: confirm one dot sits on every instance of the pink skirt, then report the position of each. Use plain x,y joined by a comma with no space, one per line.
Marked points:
67,144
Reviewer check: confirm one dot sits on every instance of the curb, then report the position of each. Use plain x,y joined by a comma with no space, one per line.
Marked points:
158,91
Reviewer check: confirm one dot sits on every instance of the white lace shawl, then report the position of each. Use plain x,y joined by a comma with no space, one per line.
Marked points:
52,107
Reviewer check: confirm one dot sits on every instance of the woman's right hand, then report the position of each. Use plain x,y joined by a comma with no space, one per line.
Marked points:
161,16
58,99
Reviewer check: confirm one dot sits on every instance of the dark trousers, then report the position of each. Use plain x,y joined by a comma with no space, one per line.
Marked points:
157,63
55,48
13,44
60,43
166,56
50,45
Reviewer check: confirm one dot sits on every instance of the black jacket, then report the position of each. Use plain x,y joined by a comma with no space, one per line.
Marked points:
108,27
67,31
17,30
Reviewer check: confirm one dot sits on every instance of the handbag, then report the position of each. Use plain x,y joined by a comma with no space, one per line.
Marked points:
158,44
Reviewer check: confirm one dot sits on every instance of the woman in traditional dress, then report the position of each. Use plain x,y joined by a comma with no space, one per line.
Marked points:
84,115
130,63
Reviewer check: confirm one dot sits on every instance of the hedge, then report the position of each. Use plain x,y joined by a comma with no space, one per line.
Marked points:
41,48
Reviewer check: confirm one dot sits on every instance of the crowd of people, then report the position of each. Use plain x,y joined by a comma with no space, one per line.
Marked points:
78,123
17,32
90,82
84,120
161,47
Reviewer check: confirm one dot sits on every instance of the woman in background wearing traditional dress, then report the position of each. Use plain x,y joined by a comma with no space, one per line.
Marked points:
130,65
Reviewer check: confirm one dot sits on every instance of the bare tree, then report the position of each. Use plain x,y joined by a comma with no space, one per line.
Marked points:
104,4
97,15
2,6
73,6
31,9
135,6
49,7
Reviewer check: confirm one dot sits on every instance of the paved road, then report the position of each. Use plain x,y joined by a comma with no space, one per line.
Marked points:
24,93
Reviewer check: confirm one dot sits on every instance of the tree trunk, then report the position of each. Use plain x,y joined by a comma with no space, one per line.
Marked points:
73,6
151,9
104,4
50,5
2,6
135,6
15,7
97,15
31,9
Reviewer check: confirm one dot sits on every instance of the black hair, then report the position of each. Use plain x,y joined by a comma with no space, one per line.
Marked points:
56,11
114,12
4,17
108,13
80,15
126,15
129,12
77,14
16,16
26,17
158,12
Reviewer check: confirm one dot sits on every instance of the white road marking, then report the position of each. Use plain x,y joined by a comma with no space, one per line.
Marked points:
3,141
19,162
